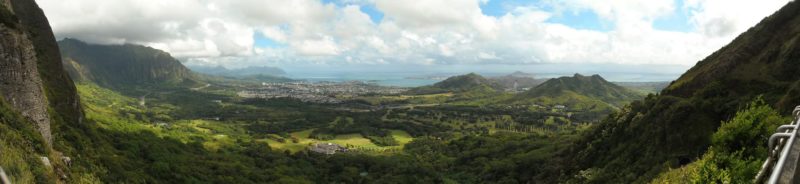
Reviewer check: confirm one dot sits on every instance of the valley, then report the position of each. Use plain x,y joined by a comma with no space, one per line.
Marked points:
217,115
214,117
405,97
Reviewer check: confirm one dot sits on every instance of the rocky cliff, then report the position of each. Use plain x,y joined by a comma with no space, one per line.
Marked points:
122,65
32,79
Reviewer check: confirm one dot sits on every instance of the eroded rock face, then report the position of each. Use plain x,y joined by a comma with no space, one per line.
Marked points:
20,82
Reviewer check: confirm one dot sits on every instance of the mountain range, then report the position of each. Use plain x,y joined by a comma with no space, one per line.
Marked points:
578,92
122,65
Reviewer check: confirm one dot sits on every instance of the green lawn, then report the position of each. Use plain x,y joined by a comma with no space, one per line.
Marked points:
357,140
409,99
402,137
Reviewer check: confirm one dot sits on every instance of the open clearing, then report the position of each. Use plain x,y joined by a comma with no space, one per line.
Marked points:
355,140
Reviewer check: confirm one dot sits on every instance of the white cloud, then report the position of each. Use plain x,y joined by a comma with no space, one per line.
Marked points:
726,18
487,56
424,14
273,12
421,32
321,47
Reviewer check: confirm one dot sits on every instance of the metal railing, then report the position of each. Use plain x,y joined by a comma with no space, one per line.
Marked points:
780,147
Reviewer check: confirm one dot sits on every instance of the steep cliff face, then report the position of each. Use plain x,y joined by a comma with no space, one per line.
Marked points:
58,87
32,79
122,65
20,83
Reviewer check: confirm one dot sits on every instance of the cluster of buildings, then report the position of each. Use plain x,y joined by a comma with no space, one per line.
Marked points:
516,89
317,92
327,148
525,106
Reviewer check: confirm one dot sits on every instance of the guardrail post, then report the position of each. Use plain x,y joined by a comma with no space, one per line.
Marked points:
796,111
774,138
784,128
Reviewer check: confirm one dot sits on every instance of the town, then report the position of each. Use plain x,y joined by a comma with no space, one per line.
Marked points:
318,92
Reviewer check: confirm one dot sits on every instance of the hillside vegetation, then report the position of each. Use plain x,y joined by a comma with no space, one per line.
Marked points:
579,92
676,127
122,65
591,86
737,149
21,147
471,82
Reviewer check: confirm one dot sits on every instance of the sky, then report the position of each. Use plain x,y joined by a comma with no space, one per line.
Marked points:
430,34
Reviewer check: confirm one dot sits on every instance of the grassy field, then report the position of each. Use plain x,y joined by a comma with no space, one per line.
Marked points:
410,99
121,113
355,140
402,137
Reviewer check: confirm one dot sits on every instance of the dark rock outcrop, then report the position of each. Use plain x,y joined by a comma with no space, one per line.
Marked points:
32,78
19,76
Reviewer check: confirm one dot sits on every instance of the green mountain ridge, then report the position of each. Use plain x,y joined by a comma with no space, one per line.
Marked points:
675,128
122,65
459,84
594,87
464,82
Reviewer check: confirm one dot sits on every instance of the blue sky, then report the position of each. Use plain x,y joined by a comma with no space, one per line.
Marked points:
584,19
581,19
264,42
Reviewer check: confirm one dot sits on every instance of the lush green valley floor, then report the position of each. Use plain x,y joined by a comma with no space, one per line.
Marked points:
257,141
198,139
261,141
355,141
